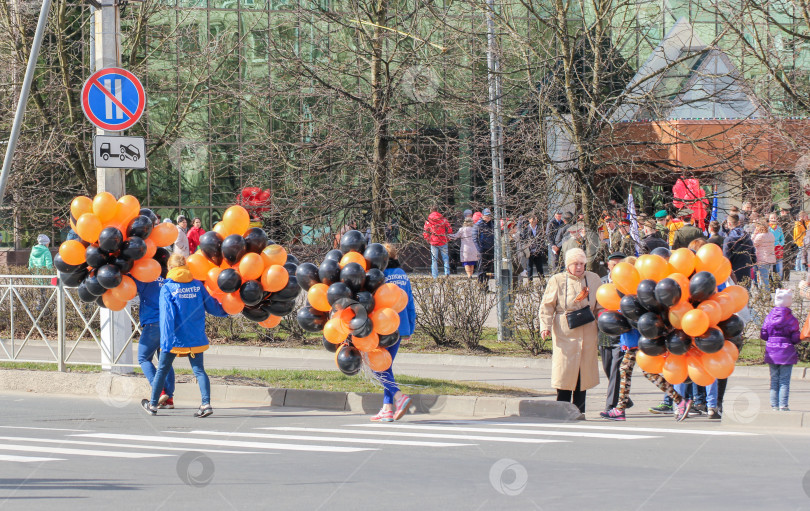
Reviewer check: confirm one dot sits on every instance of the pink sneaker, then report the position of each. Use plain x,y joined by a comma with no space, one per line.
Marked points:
383,416
403,403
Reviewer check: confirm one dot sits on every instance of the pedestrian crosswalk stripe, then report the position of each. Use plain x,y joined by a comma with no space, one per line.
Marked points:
225,443
140,447
507,430
26,459
79,452
390,433
343,439
684,430
44,429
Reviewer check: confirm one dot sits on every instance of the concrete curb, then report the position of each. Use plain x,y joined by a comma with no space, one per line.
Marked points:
120,391
769,420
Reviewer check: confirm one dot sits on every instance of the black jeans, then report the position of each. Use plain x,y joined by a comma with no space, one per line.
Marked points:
487,264
612,357
535,261
575,396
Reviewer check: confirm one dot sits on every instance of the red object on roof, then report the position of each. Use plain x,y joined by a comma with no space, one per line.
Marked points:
255,200
689,194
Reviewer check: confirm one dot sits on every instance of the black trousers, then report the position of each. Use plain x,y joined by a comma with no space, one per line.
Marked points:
535,261
612,357
721,391
487,264
575,396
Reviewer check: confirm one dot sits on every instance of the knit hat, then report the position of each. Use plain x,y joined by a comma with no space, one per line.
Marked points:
43,240
575,255
467,212
783,298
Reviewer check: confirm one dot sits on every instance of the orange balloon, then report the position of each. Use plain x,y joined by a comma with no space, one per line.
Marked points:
713,310
317,297
737,293
368,343
626,278
146,270
333,331
648,364
271,322
220,229
79,206
379,359
126,290
164,234
354,257
215,294
225,265
72,252
251,266
718,364
151,249
730,348
709,258
236,220
726,303
676,313
199,266
683,260
88,227
682,281
386,321
274,255
651,266
675,369
111,302
697,372
126,209
723,272
345,316
386,296
275,278
232,303
608,297
403,301
211,279
104,206
695,322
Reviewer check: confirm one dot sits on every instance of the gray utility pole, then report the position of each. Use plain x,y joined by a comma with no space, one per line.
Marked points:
503,259
116,327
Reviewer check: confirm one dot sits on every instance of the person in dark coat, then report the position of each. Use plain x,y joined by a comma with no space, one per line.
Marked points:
485,243
739,249
610,349
688,233
652,238
714,233
561,237
552,228
533,247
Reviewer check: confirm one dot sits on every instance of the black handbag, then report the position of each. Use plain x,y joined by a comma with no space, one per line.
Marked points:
578,317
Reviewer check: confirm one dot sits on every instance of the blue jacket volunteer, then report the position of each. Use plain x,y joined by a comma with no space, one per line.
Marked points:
149,315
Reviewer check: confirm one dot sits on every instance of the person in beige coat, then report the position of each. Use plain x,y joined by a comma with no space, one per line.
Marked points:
574,364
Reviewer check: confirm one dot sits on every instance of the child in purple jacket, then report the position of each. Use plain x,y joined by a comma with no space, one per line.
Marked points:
781,334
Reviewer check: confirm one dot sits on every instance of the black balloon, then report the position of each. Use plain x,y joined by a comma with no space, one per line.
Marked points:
92,285
255,314
651,325
376,255
337,291
631,308
334,255
354,276
162,256
613,323
233,248
124,264
310,319
349,360
148,213
732,327
85,295
64,267
110,240
710,342
361,327
289,292
291,268
73,279
307,275
292,259
668,292
702,285
329,272
280,309
353,241
251,293
134,248
328,345
141,226
229,280
652,347
738,341
255,240
374,279
109,276
100,301
211,247
661,251
366,299
386,341
645,292
678,343
96,257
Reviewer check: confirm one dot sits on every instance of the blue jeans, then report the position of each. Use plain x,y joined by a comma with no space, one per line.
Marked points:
780,384
778,268
763,273
165,364
800,260
387,377
711,395
434,260
148,344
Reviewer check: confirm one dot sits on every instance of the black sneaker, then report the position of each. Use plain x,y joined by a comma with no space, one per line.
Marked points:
147,406
662,409
628,404
700,407
714,414
204,411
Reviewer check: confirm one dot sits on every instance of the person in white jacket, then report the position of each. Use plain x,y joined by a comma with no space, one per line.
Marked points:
181,244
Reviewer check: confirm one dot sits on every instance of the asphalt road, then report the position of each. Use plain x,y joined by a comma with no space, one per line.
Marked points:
73,453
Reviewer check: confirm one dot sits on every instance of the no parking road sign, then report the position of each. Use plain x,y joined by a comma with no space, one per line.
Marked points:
113,99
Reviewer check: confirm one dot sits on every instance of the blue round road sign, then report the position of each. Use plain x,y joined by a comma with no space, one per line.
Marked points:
113,99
